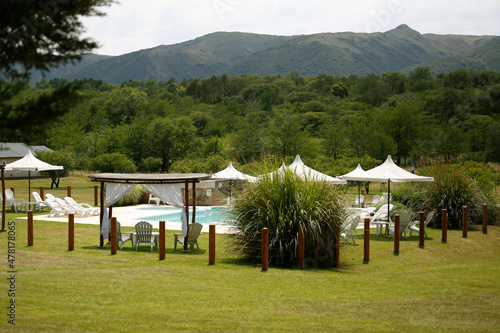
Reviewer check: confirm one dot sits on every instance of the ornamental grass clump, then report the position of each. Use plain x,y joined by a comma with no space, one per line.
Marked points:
283,202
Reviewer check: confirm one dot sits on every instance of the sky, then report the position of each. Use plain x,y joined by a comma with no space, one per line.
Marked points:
132,25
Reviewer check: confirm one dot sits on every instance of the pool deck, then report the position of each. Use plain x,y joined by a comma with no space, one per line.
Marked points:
128,217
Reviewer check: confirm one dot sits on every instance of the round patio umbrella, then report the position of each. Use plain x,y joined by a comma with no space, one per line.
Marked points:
387,172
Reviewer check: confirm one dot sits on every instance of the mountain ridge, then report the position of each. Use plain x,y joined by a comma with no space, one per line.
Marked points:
331,53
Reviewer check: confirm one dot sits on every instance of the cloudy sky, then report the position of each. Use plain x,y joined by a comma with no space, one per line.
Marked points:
131,25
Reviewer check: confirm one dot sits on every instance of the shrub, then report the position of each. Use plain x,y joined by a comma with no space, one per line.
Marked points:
452,189
133,197
282,203
114,162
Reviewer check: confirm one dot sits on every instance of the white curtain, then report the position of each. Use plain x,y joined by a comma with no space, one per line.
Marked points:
114,191
171,194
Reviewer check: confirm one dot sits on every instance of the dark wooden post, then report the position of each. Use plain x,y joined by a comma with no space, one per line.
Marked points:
485,219
71,232
465,222
113,235
186,200
101,239
301,248
194,202
68,191
265,249
421,229
397,223
336,249
211,244
13,190
30,228
96,195
42,192
161,246
366,258
444,226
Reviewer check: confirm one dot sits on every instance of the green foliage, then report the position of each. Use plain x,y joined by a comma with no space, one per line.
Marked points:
452,189
282,203
134,197
114,162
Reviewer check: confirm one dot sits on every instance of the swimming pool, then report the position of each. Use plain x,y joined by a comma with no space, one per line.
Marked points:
204,214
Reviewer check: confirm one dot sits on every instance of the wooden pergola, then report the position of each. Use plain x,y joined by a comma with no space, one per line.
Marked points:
168,178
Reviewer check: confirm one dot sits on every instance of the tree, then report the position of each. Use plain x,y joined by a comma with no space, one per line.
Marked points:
42,34
37,35
339,90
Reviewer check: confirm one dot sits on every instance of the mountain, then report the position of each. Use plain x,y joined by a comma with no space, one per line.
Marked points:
339,54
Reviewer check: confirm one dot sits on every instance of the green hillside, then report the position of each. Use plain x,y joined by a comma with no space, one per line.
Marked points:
338,54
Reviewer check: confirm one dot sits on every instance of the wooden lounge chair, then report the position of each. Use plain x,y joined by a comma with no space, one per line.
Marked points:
144,234
193,234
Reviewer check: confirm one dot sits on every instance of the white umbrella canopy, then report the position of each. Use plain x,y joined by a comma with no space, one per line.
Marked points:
30,163
389,172
358,172
305,172
231,173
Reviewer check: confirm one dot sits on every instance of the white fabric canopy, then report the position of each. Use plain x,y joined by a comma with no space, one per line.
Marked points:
171,194
356,173
31,163
305,172
389,171
114,191
231,173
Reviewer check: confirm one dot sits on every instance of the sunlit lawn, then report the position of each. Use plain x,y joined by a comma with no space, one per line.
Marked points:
447,287
451,287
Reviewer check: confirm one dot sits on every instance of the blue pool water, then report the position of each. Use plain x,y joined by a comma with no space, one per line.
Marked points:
204,215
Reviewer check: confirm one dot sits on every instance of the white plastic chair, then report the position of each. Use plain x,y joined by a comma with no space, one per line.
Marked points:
415,225
154,199
404,224
193,234
144,234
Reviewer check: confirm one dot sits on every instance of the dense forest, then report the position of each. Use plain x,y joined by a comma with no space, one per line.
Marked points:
199,125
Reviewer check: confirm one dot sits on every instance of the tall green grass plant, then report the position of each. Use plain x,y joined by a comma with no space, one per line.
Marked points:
283,202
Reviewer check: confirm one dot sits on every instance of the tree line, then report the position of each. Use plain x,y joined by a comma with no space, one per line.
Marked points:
198,125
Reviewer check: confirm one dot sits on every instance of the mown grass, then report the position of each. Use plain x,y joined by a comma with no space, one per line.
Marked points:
449,287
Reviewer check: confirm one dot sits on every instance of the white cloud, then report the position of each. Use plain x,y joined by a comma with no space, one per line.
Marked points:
133,25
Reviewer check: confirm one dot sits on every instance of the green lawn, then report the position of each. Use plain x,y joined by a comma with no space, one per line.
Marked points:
450,287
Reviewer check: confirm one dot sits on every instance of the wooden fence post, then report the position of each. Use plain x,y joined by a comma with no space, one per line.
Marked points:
465,222
265,249
96,195
68,191
336,253
42,192
113,235
485,218
71,232
211,244
397,223
421,230
444,226
161,246
366,258
301,248
30,228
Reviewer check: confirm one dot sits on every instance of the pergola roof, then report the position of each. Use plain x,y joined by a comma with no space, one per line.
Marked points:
155,178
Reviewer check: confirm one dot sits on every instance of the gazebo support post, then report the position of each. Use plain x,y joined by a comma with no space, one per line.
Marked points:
186,199
194,202
101,242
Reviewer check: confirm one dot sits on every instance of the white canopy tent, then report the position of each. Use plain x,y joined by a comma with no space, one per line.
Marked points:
231,173
307,173
358,172
389,172
30,163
